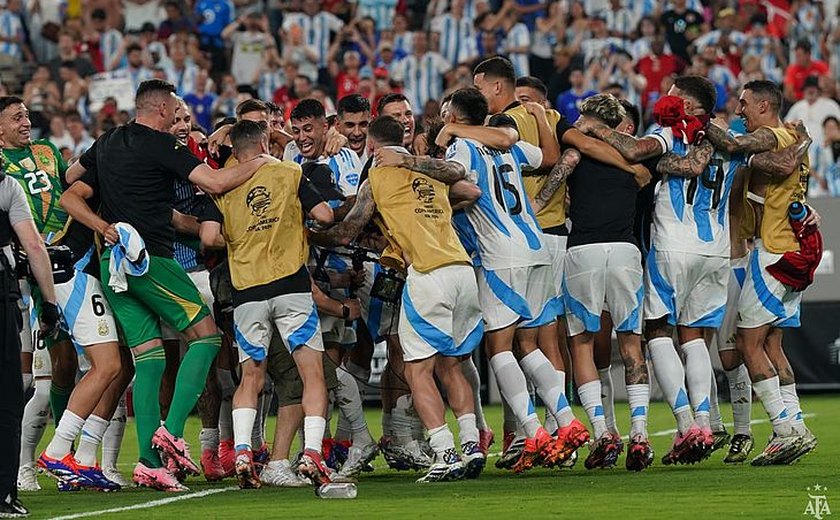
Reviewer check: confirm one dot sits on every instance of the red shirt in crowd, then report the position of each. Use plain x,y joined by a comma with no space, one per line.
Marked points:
796,74
654,69
346,84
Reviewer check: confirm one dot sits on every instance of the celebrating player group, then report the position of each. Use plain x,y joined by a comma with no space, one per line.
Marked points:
267,259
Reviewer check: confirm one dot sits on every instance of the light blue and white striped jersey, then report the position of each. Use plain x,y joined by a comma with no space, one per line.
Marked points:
11,27
502,224
403,45
345,165
641,8
622,21
713,37
723,76
136,76
458,42
184,79
316,30
269,82
518,36
422,77
382,12
691,215
109,46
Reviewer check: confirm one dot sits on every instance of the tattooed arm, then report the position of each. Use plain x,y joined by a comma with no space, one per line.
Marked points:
784,162
349,228
631,148
558,175
762,140
447,172
692,165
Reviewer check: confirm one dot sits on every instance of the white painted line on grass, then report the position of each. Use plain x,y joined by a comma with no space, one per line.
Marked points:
147,505
666,433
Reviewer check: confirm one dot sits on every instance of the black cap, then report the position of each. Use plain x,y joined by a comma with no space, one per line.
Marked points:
322,177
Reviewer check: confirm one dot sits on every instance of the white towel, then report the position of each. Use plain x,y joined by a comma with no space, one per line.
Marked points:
128,257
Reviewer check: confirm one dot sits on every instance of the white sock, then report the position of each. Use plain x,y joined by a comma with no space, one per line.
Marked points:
112,440
351,408
226,387
714,409
361,374
92,433
470,372
418,431
791,400
608,398
590,398
740,393
698,376
441,439
258,431
510,423
35,415
387,424
313,432
467,429
209,439
401,420
669,372
770,395
243,425
638,397
514,389
68,428
539,369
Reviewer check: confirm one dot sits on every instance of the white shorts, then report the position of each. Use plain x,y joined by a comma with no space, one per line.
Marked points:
293,315
336,330
689,289
602,277
764,299
525,296
440,313
41,362
85,312
725,335
379,317
557,248
201,279
27,316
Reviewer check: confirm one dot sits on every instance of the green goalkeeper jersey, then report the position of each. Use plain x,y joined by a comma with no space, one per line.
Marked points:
40,169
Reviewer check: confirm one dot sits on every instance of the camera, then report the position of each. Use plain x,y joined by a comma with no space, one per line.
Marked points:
388,286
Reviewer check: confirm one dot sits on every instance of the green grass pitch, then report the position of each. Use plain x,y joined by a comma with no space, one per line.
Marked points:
709,490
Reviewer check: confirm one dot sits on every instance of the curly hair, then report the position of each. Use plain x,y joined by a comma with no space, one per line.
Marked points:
604,107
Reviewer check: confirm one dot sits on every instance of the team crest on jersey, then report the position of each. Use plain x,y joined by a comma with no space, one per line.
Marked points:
258,199
102,328
28,164
425,192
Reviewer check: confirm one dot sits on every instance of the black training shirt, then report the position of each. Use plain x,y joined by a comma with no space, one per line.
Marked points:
136,168
603,204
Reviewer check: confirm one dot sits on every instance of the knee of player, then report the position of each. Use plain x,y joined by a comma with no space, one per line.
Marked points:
253,377
658,328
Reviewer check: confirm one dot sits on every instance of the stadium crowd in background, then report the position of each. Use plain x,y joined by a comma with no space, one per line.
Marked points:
218,53
410,171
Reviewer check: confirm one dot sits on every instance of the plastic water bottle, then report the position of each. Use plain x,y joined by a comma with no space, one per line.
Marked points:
797,211
336,490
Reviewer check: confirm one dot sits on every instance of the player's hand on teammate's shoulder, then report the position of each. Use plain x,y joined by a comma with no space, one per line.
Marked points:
534,108
444,136
642,175
799,127
385,157
335,142
585,124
